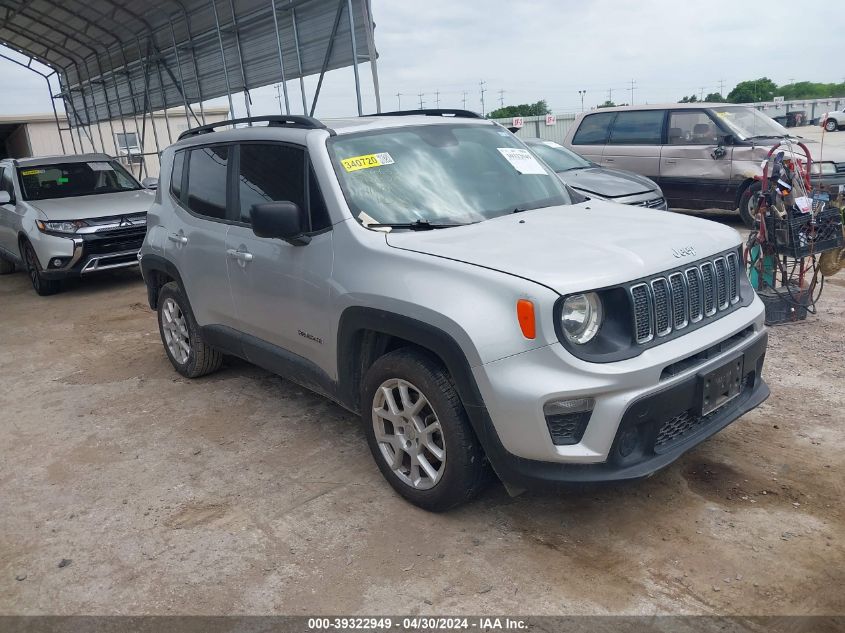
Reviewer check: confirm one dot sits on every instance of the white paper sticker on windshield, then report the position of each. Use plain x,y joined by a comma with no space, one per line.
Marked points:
552,144
101,166
522,160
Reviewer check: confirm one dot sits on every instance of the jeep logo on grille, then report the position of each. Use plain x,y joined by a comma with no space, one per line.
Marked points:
686,251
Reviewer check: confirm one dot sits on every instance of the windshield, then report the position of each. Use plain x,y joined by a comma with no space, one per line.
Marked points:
746,122
65,180
557,156
445,174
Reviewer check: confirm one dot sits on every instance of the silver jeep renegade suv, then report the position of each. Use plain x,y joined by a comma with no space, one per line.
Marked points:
432,274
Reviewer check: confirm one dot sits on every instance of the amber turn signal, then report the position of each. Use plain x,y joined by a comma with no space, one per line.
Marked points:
525,315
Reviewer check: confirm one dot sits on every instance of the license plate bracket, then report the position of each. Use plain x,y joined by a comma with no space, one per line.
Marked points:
721,385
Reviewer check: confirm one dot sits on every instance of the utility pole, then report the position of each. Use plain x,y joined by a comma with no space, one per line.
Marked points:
465,99
501,98
632,91
420,95
399,100
582,93
437,99
701,97
481,85
610,95
721,87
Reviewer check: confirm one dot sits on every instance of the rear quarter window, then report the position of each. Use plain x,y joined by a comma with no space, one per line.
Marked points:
594,129
637,128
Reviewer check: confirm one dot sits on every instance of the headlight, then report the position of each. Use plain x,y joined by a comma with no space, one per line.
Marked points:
823,169
68,226
581,317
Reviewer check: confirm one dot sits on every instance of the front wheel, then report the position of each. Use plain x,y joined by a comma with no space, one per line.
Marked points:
831,125
43,287
418,431
748,202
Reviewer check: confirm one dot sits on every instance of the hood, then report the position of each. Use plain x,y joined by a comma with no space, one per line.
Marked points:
607,183
827,152
572,248
96,206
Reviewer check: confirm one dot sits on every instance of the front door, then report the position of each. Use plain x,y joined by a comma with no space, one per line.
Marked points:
9,218
634,142
281,291
693,174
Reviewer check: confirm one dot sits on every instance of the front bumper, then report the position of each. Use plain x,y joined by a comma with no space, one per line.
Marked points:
85,253
630,433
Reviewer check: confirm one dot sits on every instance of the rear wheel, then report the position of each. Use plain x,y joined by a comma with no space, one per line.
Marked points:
43,287
831,125
418,431
184,346
748,202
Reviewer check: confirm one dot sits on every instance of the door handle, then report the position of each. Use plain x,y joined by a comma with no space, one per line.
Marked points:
243,256
671,161
179,239
608,160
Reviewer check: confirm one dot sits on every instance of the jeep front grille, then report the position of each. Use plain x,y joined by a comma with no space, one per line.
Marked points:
669,302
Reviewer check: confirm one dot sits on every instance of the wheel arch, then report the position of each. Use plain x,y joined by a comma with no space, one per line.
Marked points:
743,187
365,334
158,271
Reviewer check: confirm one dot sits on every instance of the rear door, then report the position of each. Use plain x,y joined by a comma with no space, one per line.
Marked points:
196,232
592,134
692,175
634,142
281,291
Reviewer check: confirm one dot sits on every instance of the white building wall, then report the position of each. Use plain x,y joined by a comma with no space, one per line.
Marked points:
44,137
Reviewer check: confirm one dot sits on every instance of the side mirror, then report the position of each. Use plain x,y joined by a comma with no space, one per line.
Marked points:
5,198
283,220
720,150
149,183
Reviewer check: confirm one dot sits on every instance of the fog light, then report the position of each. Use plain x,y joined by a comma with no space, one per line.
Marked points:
567,419
57,262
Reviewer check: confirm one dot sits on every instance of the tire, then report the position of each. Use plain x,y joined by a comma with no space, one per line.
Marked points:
43,287
747,204
180,335
413,377
831,125
6,267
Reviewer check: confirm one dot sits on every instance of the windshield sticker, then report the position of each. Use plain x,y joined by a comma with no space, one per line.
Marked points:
552,144
100,166
522,160
32,172
367,161
62,181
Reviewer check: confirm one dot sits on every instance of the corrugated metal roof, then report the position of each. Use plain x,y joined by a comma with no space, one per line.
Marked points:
119,58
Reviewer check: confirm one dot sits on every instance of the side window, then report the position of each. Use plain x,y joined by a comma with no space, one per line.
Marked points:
593,129
176,175
637,128
693,127
319,213
270,173
207,170
6,181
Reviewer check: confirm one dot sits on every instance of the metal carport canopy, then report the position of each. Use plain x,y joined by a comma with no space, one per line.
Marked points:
122,58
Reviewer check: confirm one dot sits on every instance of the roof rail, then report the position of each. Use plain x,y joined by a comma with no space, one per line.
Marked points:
445,112
304,122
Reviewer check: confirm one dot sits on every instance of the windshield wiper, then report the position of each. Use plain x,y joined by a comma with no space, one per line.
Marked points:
417,225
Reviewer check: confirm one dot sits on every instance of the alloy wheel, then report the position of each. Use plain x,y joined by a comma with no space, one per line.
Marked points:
409,434
32,267
174,325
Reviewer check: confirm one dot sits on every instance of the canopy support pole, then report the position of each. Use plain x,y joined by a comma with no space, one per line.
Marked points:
355,57
329,48
281,58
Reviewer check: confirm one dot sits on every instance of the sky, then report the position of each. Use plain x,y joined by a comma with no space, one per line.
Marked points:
551,49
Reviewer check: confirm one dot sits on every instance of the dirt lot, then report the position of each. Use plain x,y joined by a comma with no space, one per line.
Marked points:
241,493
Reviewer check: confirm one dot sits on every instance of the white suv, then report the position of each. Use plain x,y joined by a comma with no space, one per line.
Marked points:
66,216
433,275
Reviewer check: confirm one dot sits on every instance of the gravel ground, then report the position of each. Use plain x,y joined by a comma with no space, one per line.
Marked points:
126,489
